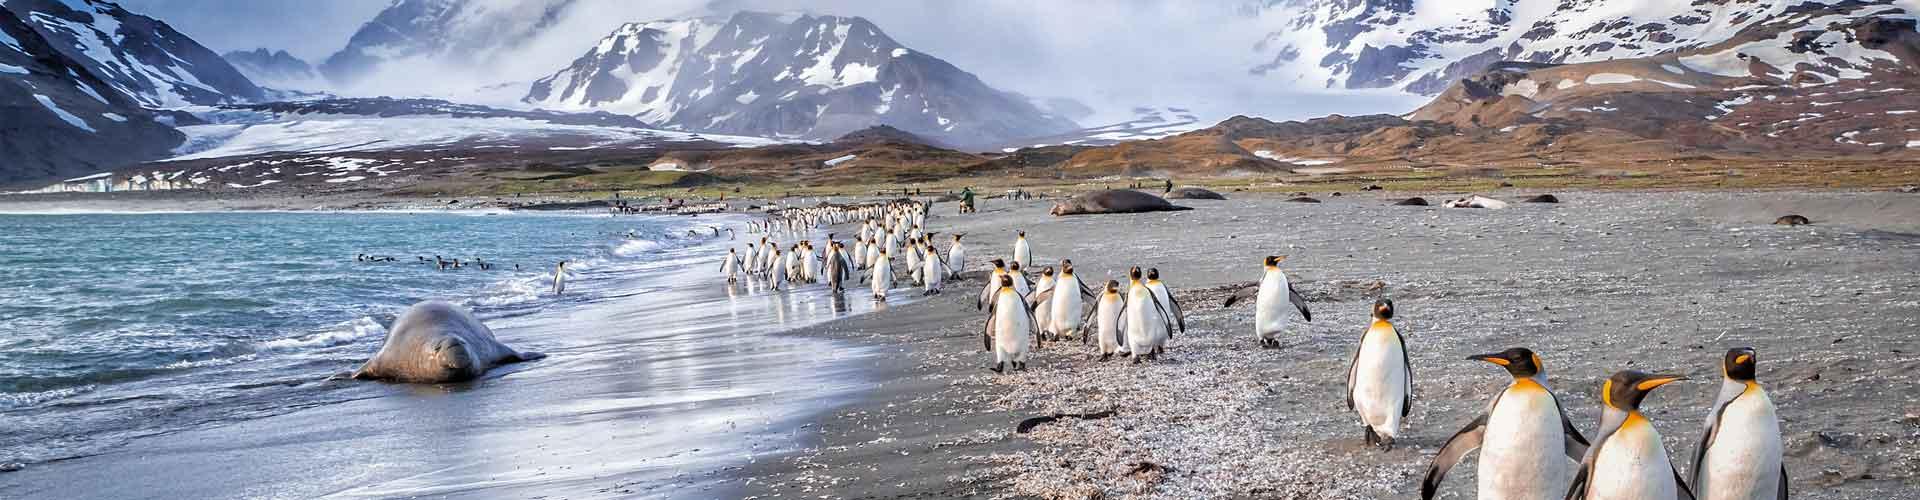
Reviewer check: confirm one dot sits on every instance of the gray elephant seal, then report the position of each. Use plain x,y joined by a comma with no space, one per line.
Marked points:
1791,220
1194,193
1113,201
1412,202
436,342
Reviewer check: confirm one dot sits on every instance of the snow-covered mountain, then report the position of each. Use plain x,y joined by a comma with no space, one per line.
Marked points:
276,69
1146,123
813,77
80,81
432,35
1425,46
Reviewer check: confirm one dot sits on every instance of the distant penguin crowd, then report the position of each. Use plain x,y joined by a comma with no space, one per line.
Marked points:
1528,447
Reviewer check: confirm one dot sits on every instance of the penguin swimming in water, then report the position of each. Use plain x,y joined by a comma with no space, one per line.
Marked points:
1106,319
1022,252
1522,437
1009,328
1146,322
1380,378
1627,460
1739,453
1270,316
559,277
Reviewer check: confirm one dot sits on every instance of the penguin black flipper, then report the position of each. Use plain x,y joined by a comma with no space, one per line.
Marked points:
1584,479
1120,327
1039,297
1178,313
1456,448
1299,302
1243,293
1352,363
1576,443
1578,490
1163,311
1680,483
986,334
1406,363
1783,481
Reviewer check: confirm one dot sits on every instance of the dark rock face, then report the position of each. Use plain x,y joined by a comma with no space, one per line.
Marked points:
272,67
813,77
75,86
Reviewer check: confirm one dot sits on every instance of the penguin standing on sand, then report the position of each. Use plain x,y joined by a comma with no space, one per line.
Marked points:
1042,305
1022,252
559,277
1020,281
731,267
1627,459
1739,453
1146,321
1271,296
1528,447
1106,319
1069,302
1165,295
1009,327
957,257
1380,378
837,268
934,271
881,276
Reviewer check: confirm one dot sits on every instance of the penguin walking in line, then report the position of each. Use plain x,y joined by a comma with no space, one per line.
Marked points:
1627,460
957,256
1009,327
1022,252
993,283
1380,378
1146,321
1042,305
1739,453
935,270
881,276
1270,317
776,274
731,267
1522,437
1106,319
1069,298
837,268
1160,291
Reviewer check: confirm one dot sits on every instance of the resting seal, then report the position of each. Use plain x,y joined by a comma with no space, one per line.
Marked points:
1476,201
437,342
1791,220
1545,198
1113,201
1412,202
1303,199
1194,193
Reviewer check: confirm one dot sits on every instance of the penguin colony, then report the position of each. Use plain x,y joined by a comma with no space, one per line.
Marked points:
1528,447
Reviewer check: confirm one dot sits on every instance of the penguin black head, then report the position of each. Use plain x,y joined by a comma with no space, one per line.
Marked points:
1153,274
1625,389
1113,286
1521,362
1133,273
1006,281
999,264
1383,308
956,237
1015,266
1740,364
1023,234
1273,260
1046,271
1066,266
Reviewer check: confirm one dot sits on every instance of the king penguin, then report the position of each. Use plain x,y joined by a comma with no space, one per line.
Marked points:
881,276
1522,437
1270,317
1627,460
1069,301
993,283
559,278
1146,322
1041,302
1022,253
1160,291
1380,378
957,257
1739,453
1106,320
1009,327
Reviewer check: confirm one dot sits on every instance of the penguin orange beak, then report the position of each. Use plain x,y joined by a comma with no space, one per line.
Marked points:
1658,380
1494,358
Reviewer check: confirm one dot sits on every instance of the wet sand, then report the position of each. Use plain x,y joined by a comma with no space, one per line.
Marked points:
1602,282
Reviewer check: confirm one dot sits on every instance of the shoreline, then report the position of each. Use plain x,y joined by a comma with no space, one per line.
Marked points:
1219,417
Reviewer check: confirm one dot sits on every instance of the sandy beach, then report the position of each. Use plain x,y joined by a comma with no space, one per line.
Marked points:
785,396
1602,282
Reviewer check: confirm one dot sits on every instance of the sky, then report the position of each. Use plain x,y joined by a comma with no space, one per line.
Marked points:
1112,55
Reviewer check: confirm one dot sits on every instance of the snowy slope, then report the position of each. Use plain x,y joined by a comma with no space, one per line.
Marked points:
1422,46
814,77
1147,123
276,69
418,41
135,55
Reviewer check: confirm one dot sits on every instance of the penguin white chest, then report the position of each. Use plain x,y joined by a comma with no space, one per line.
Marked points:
1523,455
1145,329
1066,305
1380,379
1633,465
1109,323
1743,462
1269,306
1011,330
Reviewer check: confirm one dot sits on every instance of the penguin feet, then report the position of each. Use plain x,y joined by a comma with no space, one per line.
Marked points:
1020,366
999,367
1105,356
1371,438
1136,359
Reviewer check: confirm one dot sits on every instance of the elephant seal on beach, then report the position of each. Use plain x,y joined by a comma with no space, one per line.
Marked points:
436,342
1476,201
1113,201
1194,193
1792,220
1412,202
